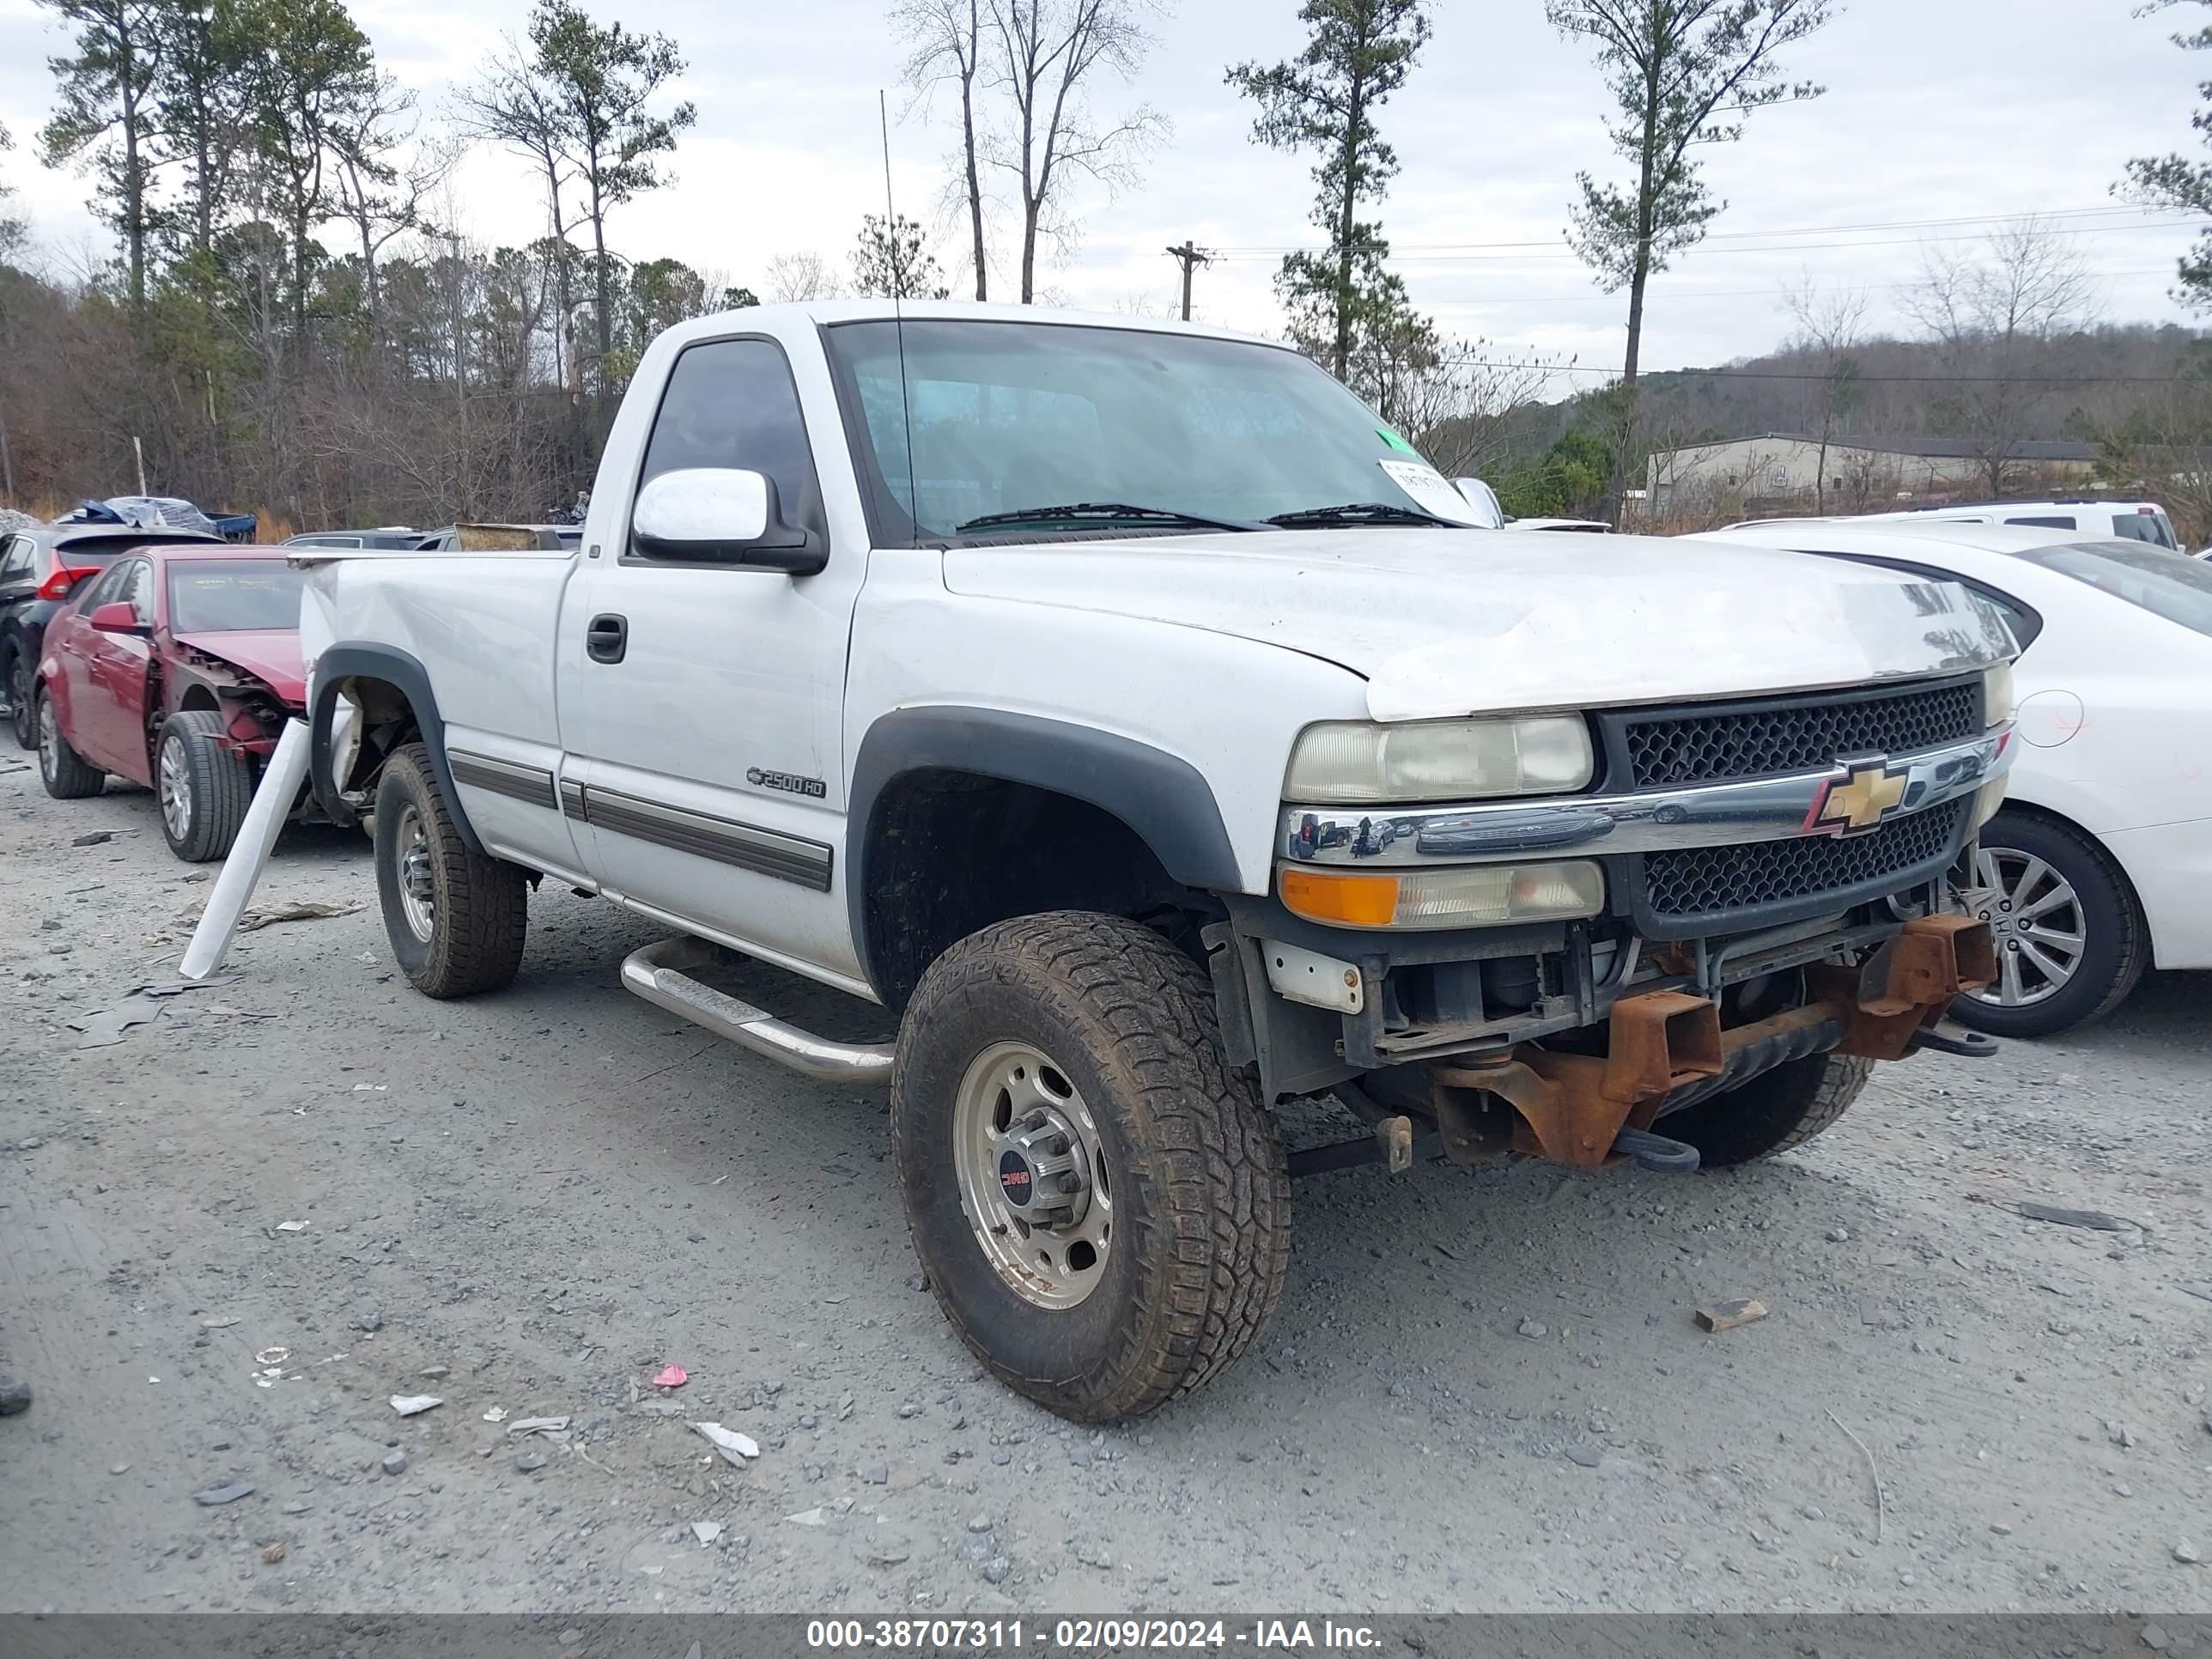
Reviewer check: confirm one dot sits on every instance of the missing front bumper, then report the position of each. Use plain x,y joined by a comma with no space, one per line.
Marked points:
1665,1049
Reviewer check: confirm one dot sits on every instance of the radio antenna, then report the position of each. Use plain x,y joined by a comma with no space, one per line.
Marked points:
896,267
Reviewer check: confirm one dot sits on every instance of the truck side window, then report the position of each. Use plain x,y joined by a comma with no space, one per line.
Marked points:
732,402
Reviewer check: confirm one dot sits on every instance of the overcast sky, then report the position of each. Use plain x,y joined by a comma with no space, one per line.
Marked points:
1937,110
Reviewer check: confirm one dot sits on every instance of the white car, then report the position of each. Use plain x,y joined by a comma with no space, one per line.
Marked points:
2099,865
2090,518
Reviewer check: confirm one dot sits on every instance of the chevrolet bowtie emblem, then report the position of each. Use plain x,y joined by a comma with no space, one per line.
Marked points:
1859,801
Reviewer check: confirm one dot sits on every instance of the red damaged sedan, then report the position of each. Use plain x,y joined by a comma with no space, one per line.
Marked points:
175,668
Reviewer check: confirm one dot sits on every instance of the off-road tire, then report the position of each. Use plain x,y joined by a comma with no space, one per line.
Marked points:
1201,1189
1777,1109
481,912
16,675
66,774
2116,945
219,784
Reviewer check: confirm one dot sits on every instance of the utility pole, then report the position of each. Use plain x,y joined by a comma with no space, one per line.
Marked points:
1188,256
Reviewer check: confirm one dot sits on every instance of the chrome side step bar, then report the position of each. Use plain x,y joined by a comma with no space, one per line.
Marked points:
656,973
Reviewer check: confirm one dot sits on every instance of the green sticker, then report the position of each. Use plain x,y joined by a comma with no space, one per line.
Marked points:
1395,441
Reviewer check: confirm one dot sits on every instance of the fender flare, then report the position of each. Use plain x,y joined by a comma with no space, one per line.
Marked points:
1163,798
335,665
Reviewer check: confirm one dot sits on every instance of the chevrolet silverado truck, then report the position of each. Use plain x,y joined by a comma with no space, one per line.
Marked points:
1158,738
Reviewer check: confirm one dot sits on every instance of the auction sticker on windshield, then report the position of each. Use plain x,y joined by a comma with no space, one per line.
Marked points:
1431,491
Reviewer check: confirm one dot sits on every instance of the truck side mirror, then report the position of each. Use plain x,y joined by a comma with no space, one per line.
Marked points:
1489,511
720,515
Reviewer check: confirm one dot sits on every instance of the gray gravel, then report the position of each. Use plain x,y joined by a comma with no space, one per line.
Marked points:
542,1196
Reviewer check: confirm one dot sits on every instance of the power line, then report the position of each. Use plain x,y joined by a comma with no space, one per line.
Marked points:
1487,299
1863,379
1803,230
1415,255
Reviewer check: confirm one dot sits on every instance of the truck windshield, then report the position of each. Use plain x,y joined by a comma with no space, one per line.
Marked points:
2169,585
219,596
1012,417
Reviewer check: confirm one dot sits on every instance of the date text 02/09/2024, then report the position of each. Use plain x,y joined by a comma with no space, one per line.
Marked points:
1086,1634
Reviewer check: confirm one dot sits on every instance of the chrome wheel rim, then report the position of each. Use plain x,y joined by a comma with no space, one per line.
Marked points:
1034,1181
50,738
418,897
176,786
2036,918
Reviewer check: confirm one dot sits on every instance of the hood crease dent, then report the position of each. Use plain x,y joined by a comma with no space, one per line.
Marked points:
1445,622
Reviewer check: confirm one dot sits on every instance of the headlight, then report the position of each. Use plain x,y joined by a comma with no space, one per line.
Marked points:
1996,695
1472,896
1350,763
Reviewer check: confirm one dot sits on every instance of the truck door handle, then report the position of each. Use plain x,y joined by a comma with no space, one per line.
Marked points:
607,638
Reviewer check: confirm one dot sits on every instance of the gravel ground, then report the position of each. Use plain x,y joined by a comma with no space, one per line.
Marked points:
232,1237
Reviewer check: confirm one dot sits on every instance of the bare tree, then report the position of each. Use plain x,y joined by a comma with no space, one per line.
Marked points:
1043,56
1461,414
1830,325
1998,322
795,277
381,193
945,42
514,108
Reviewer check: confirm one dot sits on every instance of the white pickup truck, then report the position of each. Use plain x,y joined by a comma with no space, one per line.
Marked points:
1144,725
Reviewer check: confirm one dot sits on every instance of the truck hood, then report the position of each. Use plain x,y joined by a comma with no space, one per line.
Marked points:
1446,621
270,654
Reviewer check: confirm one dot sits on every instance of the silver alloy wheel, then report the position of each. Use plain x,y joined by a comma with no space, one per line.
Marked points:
1034,1181
50,738
418,900
175,784
2037,918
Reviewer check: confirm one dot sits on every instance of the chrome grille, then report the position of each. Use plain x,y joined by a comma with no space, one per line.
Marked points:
1711,882
1802,735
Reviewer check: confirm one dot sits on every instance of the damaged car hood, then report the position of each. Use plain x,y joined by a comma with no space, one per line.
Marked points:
1447,622
272,655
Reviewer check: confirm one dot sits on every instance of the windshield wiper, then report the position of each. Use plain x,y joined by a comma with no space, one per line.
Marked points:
1357,513
1114,511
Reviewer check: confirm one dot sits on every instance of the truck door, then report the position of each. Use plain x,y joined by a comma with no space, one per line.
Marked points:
701,703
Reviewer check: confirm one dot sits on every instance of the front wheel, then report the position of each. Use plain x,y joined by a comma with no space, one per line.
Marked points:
204,788
2070,938
1781,1108
456,917
1101,1202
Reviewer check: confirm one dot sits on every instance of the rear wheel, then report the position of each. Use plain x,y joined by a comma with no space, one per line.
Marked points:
204,788
2071,940
457,918
67,775
22,716
1779,1108
1102,1205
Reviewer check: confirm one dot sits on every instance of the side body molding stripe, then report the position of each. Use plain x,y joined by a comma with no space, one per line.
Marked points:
744,846
532,784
